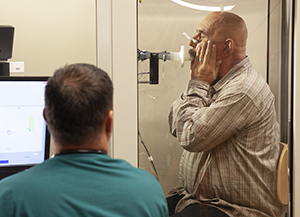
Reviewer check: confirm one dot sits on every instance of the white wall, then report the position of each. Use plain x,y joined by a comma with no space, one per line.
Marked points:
50,34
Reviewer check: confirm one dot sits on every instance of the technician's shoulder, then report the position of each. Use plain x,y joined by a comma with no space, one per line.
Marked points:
13,190
23,181
143,191
141,176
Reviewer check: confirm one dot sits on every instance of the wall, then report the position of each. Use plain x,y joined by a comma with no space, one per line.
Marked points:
50,34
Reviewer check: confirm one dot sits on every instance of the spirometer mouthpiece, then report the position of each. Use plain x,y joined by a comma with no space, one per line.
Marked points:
182,56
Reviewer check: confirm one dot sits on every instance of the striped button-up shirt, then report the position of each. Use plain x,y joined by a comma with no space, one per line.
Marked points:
230,139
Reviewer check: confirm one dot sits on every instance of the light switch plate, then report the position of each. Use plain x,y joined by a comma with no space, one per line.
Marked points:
16,67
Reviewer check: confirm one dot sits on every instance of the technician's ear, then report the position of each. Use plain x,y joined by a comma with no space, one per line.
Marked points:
109,123
229,46
44,114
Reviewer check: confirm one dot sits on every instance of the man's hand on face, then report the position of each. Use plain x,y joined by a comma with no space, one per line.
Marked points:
205,67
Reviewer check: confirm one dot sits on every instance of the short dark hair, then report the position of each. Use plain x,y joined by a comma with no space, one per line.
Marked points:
78,98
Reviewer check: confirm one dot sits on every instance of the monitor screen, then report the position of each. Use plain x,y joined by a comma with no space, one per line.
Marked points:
24,138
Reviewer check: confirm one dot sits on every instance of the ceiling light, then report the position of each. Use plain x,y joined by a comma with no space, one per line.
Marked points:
203,7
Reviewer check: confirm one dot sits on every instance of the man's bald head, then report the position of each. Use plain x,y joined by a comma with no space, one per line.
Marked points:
228,32
223,25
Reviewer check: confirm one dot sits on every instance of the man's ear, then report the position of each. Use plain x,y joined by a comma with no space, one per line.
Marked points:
44,115
229,46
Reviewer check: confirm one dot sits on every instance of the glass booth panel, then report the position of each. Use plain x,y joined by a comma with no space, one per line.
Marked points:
163,26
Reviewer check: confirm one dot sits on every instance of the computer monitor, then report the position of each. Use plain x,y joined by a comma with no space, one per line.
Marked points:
24,138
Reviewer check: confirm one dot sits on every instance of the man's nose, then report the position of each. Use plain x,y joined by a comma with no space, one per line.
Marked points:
198,37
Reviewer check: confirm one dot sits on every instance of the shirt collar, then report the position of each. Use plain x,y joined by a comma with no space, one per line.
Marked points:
236,70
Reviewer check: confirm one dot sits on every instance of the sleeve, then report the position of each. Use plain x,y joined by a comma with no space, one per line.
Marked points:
200,124
196,94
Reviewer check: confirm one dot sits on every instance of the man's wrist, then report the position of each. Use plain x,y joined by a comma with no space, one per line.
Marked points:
200,83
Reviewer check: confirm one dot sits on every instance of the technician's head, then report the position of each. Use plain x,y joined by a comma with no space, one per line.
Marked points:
228,32
78,103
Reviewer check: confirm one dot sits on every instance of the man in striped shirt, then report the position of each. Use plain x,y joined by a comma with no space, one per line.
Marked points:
226,123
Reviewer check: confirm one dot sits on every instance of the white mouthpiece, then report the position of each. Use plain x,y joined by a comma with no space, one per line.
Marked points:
180,56
190,38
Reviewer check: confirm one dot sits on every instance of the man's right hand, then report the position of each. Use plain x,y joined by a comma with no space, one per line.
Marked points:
205,67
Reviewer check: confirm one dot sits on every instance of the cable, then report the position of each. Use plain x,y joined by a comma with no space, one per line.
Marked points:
150,158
